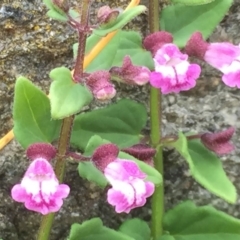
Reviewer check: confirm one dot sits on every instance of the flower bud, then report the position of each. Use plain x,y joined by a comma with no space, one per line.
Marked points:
62,4
100,85
130,74
219,142
41,150
142,152
104,155
196,46
155,41
106,15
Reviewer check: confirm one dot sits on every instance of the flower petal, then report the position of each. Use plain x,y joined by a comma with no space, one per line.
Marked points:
19,193
121,196
63,191
220,55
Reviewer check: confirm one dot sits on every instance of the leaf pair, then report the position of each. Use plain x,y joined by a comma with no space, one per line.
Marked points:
93,229
184,222
32,119
188,222
206,168
120,123
134,229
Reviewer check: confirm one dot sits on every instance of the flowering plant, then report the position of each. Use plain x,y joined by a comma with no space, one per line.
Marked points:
107,143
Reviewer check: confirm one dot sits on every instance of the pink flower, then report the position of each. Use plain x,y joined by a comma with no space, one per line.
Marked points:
173,73
39,189
129,190
223,56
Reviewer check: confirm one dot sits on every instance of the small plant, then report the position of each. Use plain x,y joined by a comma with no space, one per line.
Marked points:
108,144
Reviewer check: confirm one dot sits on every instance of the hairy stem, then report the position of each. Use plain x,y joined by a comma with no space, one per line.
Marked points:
64,139
82,36
155,120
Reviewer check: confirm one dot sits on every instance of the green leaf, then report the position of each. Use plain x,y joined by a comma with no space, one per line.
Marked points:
124,18
192,2
166,237
189,222
56,15
31,115
55,12
49,4
87,170
66,97
119,123
136,228
104,60
92,40
187,219
182,21
122,44
74,14
216,236
93,229
206,168
152,174
131,44
94,142
85,229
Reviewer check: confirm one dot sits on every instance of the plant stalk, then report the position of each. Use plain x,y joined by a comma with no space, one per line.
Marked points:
156,120
82,36
65,134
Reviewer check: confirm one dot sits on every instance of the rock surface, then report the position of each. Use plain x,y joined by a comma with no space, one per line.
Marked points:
31,45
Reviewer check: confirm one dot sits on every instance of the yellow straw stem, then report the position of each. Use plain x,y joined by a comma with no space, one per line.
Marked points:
132,4
87,60
6,139
98,48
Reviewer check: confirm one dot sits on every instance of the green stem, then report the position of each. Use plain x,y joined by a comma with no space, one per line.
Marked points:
64,139
155,120
63,144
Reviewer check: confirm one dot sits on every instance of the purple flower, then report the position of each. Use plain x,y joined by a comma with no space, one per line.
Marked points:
39,189
131,74
219,142
142,152
129,188
173,73
156,40
223,56
100,85
104,154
